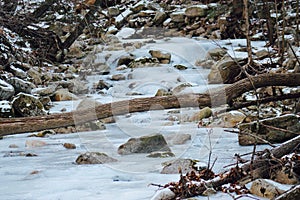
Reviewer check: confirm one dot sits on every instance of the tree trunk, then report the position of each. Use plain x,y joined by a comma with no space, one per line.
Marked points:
214,98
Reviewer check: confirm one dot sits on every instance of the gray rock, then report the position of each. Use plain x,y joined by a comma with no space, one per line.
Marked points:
35,76
102,85
216,54
289,122
159,18
94,158
178,139
196,11
27,105
118,77
177,89
6,90
186,165
224,71
21,85
88,104
161,154
46,91
145,144
113,11
177,17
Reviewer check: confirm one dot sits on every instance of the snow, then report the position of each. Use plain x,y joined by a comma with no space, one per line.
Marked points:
52,174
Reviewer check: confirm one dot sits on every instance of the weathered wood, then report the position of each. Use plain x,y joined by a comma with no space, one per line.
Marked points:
214,98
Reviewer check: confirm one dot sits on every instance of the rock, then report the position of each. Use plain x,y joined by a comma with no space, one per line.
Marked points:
125,60
263,188
75,86
229,119
13,146
180,67
138,7
289,122
35,76
161,154
163,92
102,85
179,88
164,194
26,105
159,18
224,71
88,104
16,71
113,11
143,62
64,95
35,143
196,11
163,58
201,114
101,68
69,146
177,17
118,77
6,90
216,54
6,109
186,165
94,158
145,144
261,54
45,91
21,85
178,139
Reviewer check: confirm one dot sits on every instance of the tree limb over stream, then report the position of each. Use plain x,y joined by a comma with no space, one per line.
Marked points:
217,97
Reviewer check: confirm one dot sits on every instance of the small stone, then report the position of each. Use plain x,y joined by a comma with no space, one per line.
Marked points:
94,158
118,77
113,11
13,146
179,88
163,92
69,146
180,67
64,95
161,154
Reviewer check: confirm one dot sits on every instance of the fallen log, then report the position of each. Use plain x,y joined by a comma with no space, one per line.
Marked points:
212,98
261,167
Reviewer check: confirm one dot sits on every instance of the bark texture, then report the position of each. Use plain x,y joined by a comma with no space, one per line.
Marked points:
214,98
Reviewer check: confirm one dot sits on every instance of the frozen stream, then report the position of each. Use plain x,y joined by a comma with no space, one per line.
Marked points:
52,174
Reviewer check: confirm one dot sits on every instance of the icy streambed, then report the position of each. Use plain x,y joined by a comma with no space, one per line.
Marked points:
53,175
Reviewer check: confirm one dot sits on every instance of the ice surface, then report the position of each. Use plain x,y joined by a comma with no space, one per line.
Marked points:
52,174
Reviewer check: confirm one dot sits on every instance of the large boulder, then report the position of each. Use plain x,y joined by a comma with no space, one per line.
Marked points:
145,144
6,90
196,11
289,122
21,85
94,158
27,105
224,71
